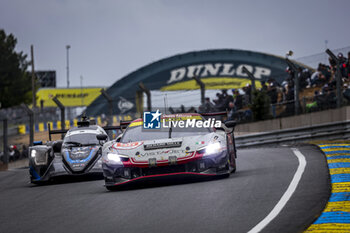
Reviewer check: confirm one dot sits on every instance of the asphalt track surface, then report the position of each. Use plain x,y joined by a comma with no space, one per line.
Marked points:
234,204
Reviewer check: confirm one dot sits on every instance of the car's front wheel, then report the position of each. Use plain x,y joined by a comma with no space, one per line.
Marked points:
111,188
39,182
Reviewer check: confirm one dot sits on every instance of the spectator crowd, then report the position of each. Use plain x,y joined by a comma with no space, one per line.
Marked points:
15,153
321,82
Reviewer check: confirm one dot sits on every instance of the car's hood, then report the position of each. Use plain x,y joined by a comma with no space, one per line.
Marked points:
161,149
78,158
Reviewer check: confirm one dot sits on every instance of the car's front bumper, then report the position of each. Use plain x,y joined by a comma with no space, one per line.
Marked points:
205,166
57,168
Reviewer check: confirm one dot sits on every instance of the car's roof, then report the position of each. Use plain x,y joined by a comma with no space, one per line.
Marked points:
95,129
175,115
179,116
91,127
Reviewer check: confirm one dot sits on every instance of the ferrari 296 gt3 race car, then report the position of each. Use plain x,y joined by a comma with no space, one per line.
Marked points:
78,153
170,151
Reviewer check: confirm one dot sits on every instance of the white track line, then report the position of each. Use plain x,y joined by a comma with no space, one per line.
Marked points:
286,196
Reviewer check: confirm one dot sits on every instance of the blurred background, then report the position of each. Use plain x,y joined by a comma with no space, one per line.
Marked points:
112,60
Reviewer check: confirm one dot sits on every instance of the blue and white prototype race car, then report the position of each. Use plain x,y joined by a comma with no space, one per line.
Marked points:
77,154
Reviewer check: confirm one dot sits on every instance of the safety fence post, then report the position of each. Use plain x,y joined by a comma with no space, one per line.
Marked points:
30,113
202,87
296,86
252,79
5,144
338,78
148,93
110,106
62,108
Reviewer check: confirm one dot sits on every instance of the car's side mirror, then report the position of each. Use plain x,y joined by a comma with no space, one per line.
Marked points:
230,124
57,146
119,138
101,137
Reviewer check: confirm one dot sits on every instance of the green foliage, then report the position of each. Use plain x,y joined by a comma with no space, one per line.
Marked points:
15,82
260,105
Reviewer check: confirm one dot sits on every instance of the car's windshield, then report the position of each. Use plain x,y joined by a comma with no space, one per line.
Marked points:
80,139
138,133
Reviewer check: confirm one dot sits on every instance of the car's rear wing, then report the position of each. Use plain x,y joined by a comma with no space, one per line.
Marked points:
56,131
122,125
224,113
217,115
112,127
125,123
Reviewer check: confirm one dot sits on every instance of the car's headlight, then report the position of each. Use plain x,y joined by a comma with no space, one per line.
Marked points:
33,153
210,149
115,158
40,156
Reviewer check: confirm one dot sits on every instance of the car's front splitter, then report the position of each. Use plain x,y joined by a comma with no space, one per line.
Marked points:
209,166
58,169
160,177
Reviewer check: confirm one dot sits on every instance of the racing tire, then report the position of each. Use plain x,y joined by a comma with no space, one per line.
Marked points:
233,168
227,175
228,166
39,183
111,188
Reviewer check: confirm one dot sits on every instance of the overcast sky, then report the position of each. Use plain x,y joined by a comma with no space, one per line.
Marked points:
110,39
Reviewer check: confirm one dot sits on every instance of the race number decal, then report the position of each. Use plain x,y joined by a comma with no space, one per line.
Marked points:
127,146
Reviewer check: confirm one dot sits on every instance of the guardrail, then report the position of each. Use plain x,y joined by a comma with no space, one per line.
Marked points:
13,130
328,131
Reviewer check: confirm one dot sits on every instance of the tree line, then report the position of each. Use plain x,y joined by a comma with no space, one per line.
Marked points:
15,81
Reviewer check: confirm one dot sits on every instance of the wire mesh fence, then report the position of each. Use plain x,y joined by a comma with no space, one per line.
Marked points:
315,59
